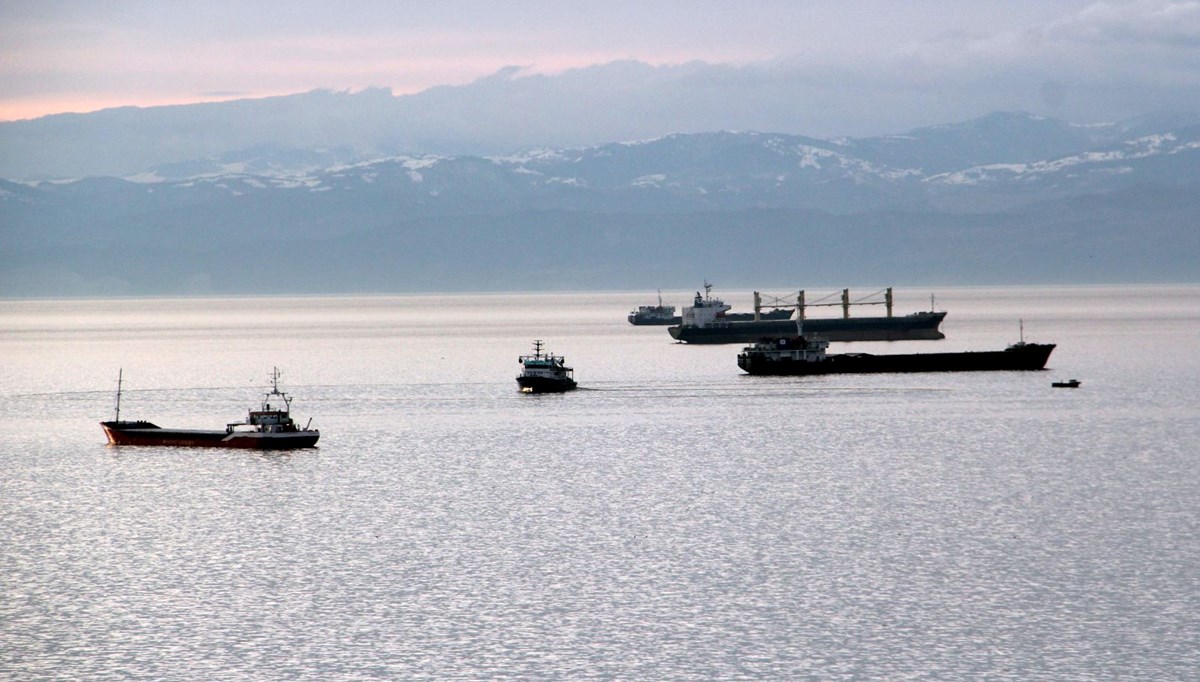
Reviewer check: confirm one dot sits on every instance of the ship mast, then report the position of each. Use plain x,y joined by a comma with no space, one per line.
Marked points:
120,371
287,400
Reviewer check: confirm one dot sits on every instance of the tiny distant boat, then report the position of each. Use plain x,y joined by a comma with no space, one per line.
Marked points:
544,373
797,355
1072,383
268,428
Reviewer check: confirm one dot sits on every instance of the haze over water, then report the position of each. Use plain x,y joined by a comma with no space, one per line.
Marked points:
675,519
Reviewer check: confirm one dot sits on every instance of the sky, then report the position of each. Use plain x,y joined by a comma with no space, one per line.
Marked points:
1078,59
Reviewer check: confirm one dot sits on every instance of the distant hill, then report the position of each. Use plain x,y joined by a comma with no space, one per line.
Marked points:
1006,198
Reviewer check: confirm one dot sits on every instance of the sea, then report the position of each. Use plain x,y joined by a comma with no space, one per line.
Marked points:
673,519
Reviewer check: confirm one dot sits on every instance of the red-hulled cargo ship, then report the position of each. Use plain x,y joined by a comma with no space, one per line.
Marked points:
269,428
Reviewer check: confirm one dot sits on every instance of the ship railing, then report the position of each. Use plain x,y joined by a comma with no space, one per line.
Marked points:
799,301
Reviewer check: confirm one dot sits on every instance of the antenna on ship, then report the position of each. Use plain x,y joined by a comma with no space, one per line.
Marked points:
120,371
287,400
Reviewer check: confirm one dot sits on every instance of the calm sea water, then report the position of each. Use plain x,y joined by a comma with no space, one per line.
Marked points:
675,519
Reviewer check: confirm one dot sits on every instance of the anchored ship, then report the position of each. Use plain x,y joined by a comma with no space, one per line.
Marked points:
665,314
544,373
800,355
705,322
654,314
268,428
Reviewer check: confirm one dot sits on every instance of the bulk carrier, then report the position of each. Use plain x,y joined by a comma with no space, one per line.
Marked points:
705,321
665,314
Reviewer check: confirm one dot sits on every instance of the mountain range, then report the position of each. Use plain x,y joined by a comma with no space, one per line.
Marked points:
1005,198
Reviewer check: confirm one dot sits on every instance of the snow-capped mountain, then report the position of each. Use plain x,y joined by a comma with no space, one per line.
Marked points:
1023,158
736,201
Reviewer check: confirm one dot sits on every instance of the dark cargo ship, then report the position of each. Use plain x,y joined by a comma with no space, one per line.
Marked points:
269,428
705,321
800,355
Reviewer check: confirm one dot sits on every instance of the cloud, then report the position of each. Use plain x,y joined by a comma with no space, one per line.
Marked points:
1138,24
225,94
814,68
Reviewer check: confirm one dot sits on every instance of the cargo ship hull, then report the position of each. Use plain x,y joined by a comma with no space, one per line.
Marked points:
646,320
1020,357
545,385
914,327
146,433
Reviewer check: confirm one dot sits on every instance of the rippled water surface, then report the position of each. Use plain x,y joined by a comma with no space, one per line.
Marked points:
674,519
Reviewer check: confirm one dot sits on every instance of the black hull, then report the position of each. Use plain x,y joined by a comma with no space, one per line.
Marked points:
774,315
545,385
145,433
915,327
1023,358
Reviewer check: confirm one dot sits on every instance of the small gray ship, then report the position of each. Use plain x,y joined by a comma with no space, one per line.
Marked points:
654,314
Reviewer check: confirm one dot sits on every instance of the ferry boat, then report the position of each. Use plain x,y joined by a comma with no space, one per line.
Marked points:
269,428
800,355
706,321
544,373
